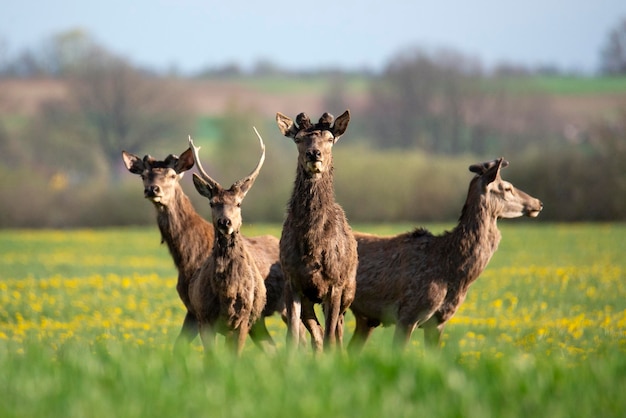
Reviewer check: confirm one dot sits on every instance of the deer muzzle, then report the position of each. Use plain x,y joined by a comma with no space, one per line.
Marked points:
225,226
314,161
533,211
153,193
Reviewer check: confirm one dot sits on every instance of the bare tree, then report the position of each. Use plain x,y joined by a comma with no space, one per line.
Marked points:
442,103
421,100
55,56
109,106
69,51
127,109
613,54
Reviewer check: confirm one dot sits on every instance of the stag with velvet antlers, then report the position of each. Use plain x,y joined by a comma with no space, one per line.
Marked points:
317,248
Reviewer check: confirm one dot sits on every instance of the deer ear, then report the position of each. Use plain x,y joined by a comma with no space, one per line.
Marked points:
185,161
482,168
245,185
133,163
477,168
286,125
341,124
203,187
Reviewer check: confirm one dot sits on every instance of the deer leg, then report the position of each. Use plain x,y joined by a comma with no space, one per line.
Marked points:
302,329
347,297
294,310
207,335
402,334
332,312
261,336
362,332
312,324
303,334
339,329
230,337
432,335
241,335
188,332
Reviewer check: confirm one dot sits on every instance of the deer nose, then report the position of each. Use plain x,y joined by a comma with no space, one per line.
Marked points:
151,191
224,223
314,155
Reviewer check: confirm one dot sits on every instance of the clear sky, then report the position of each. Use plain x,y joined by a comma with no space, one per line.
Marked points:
192,35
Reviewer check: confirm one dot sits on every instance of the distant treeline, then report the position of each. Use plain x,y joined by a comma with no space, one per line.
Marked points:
371,185
415,129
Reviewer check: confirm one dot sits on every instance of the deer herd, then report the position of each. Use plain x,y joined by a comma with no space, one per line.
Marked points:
230,283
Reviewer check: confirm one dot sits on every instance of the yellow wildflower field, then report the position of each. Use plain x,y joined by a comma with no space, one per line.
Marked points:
88,319
559,290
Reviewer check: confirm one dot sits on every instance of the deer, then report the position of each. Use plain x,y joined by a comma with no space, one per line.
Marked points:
419,280
189,237
228,292
317,248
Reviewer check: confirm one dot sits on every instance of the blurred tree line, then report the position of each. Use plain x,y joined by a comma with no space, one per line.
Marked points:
426,117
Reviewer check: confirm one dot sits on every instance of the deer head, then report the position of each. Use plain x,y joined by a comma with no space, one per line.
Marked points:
314,141
225,203
160,178
504,200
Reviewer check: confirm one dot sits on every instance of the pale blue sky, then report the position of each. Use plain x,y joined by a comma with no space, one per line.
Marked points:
194,34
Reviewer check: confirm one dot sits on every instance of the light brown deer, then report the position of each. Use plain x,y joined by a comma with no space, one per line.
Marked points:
228,292
317,248
190,237
417,279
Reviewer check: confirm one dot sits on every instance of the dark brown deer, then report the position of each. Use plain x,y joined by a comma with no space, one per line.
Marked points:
175,218
190,237
417,279
228,292
317,248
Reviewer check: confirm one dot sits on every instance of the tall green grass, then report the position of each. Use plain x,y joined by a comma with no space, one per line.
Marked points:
88,317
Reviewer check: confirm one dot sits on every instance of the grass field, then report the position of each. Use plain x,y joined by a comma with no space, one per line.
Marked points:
88,318
568,86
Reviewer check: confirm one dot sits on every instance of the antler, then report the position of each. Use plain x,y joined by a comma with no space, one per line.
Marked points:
325,121
203,173
252,176
303,121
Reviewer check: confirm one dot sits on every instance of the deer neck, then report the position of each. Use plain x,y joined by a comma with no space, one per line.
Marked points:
181,229
311,194
475,239
228,250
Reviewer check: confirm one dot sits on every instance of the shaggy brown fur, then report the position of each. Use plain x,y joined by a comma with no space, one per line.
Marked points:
228,292
190,237
317,249
420,280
